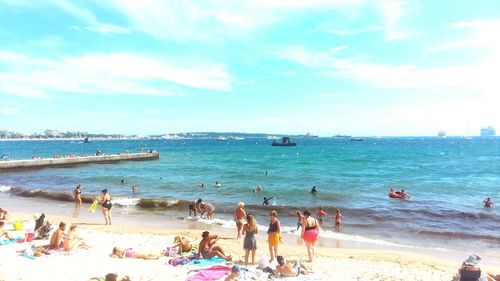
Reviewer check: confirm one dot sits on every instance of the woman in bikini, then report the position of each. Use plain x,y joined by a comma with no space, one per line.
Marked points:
130,253
239,218
310,233
274,234
183,244
78,196
207,249
105,200
72,240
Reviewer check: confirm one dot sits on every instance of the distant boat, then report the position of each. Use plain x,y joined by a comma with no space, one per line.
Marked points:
272,137
86,140
284,142
488,132
341,136
357,139
309,135
442,134
221,138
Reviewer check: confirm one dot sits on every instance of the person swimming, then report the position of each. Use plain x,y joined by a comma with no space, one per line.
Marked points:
488,202
258,189
313,190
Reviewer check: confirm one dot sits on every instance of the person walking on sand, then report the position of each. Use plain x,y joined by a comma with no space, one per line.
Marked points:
274,234
250,243
105,200
239,218
78,196
310,232
338,218
207,249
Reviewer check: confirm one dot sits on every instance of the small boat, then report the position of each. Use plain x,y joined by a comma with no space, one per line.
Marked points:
357,139
284,142
86,140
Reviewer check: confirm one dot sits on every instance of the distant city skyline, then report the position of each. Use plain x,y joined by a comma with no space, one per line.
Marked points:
362,68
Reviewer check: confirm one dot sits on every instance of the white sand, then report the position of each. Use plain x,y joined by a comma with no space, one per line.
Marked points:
331,264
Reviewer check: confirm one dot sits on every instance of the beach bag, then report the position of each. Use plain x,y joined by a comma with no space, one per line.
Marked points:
18,225
263,262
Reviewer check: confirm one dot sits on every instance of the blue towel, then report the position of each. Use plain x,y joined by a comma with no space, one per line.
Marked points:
207,262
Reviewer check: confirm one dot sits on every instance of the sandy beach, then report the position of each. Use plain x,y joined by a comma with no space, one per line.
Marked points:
84,264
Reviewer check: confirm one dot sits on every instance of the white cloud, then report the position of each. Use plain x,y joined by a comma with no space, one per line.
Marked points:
338,49
393,11
479,76
355,31
104,28
482,34
120,73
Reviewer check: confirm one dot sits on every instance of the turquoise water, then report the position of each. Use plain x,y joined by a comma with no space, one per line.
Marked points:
447,179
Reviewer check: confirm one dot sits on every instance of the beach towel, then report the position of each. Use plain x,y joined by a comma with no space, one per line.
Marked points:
209,274
207,262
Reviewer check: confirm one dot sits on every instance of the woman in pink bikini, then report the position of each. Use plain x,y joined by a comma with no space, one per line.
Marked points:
310,233
130,253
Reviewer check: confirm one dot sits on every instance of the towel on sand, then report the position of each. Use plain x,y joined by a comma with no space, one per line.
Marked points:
207,262
212,273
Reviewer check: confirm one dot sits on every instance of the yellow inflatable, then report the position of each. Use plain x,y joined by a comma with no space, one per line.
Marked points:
93,206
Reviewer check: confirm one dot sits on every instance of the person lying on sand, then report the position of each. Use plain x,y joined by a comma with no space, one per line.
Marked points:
130,253
207,249
4,232
72,240
183,244
288,269
57,236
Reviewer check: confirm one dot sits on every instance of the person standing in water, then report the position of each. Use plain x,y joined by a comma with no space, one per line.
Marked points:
321,215
78,196
239,218
338,219
488,202
105,200
266,201
313,190
134,189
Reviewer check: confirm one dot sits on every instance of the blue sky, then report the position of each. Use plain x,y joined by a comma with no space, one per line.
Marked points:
359,67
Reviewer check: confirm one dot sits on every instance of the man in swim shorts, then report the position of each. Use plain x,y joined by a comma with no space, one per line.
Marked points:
284,269
321,215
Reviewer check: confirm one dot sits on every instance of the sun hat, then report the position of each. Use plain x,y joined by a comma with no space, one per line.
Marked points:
241,204
472,260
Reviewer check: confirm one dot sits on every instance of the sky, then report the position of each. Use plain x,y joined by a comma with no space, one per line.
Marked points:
357,67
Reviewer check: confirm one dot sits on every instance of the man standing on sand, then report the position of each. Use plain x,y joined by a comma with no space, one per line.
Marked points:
239,218
57,236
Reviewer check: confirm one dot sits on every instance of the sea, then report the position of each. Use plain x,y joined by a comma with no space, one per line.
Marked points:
447,180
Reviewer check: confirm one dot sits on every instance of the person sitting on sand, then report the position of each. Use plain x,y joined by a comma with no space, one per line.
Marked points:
4,232
207,249
235,272
4,214
72,240
131,253
57,236
239,218
487,202
183,244
469,270
285,269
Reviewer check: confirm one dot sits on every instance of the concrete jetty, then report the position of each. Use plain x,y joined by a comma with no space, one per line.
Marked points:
14,165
